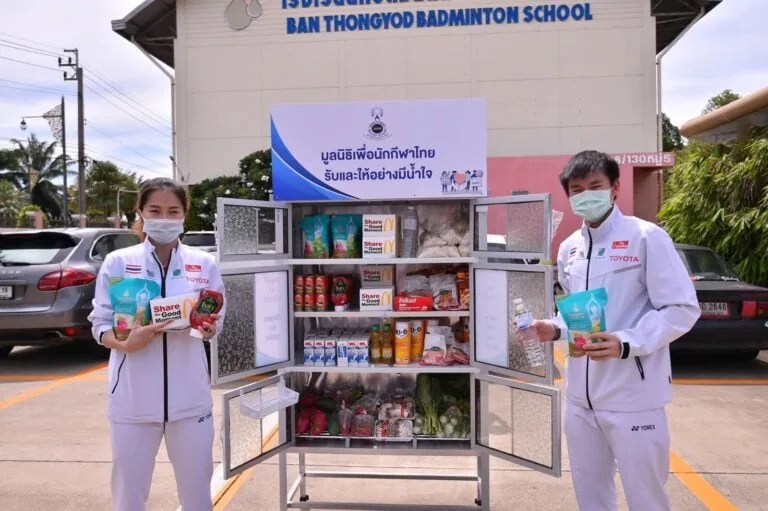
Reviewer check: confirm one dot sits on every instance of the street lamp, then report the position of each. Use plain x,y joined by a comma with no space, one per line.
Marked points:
57,121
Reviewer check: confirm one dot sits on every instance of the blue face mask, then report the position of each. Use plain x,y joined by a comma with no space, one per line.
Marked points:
592,205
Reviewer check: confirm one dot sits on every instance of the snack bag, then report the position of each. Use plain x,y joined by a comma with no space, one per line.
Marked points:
584,314
209,302
130,300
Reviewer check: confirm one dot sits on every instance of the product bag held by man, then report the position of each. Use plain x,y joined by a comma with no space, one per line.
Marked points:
626,273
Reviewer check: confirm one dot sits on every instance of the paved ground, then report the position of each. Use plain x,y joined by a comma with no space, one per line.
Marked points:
54,452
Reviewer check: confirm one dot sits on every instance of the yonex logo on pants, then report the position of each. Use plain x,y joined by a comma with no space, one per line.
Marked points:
647,427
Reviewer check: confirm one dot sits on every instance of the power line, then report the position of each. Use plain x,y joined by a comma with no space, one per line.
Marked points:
23,47
127,112
126,162
40,87
36,91
90,126
30,64
121,92
39,43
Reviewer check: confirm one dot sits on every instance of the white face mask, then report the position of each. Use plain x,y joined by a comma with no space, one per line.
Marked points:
592,205
163,231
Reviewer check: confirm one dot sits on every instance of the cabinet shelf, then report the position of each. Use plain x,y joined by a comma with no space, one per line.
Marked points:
381,314
385,369
376,262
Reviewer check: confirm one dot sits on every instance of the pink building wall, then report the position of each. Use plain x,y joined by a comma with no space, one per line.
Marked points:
540,174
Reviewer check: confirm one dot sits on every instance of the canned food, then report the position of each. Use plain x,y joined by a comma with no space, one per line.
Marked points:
309,302
298,285
321,284
298,302
322,301
309,283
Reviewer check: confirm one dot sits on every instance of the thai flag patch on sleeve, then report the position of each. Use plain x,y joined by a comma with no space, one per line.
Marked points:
133,269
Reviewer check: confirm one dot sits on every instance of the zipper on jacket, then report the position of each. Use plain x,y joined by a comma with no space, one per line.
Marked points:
120,368
640,368
589,261
165,342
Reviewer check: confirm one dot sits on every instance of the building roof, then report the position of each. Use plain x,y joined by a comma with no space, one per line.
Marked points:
153,23
729,122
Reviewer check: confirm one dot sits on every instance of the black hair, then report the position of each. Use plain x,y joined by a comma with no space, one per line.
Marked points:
152,185
586,162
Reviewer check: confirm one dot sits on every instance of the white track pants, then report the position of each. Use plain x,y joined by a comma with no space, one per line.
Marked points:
190,448
638,442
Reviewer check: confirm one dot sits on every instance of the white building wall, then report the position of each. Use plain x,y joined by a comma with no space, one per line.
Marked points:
552,88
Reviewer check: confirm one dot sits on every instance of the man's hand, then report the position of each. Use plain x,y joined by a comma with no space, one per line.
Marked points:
208,328
141,335
545,329
603,346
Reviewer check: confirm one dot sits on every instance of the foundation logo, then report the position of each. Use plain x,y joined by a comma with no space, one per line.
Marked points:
377,130
240,13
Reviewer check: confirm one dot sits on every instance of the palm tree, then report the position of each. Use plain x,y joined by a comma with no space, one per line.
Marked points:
9,167
37,168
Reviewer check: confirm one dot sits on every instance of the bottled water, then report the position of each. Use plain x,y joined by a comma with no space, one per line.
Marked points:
410,232
526,334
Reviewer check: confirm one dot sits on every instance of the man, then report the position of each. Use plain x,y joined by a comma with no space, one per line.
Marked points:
616,394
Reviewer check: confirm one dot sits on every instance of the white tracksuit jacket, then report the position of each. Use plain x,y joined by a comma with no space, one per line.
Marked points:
651,302
168,379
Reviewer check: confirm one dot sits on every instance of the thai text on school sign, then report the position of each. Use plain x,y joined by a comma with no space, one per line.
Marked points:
381,150
423,18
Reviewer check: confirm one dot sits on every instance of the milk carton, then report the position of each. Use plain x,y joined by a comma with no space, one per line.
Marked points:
352,353
342,348
309,352
362,352
330,352
319,350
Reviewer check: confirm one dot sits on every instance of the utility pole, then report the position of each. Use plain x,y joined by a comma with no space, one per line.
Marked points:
64,161
78,76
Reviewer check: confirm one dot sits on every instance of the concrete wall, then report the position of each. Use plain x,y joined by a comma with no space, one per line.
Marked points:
552,88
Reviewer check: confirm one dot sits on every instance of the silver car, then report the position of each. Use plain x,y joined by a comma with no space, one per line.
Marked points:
202,240
47,282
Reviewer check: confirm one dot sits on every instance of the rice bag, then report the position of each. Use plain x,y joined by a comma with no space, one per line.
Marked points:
584,314
316,233
130,300
347,235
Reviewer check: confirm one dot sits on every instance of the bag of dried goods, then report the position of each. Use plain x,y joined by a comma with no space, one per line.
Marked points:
584,314
316,234
444,292
347,235
130,300
434,350
462,285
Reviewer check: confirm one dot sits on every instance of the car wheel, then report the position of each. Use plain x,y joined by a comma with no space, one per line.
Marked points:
5,351
744,356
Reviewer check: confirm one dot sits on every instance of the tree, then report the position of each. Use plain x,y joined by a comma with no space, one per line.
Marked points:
9,167
672,139
36,170
254,181
717,196
11,199
722,99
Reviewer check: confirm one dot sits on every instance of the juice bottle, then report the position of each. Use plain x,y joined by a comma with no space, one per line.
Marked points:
387,348
375,344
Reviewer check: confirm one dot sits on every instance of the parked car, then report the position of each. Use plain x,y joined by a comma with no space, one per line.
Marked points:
203,240
734,314
47,282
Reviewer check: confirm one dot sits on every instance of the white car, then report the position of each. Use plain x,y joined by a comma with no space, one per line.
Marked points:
202,240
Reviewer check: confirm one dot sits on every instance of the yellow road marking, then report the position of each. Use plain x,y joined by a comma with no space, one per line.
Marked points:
715,381
696,484
31,377
48,386
235,484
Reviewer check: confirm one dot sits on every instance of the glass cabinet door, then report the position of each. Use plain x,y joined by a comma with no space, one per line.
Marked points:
248,230
258,323
518,422
495,344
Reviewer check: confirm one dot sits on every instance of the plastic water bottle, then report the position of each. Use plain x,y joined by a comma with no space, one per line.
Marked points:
527,335
410,232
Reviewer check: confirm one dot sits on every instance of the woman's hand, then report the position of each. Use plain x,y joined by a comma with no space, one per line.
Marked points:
208,328
141,335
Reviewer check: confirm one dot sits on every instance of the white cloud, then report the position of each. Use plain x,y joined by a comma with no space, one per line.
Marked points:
727,49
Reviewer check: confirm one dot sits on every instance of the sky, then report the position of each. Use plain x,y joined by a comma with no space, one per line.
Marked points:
127,98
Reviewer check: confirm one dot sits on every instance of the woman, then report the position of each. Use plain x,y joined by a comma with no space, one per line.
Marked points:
158,380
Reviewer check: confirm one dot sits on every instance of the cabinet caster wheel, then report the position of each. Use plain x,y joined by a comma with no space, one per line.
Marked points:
478,502
304,498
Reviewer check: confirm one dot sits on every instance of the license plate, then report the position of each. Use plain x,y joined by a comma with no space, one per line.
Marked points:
714,309
6,292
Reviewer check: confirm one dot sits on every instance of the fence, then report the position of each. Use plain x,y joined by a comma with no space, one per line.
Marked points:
37,220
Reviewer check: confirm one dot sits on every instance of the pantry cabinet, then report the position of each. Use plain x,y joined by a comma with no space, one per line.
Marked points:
514,408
